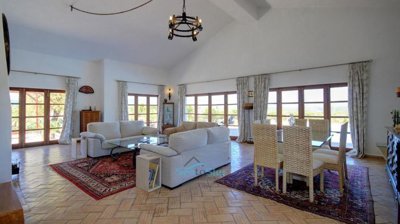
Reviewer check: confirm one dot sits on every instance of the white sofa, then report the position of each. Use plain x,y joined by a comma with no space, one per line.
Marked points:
100,133
192,153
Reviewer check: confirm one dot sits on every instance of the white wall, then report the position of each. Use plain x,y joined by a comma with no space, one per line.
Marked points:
286,39
5,114
114,71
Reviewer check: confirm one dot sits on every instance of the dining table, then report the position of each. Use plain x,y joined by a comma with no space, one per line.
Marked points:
315,143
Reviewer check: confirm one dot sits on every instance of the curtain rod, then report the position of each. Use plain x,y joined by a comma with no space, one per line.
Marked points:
41,73
143,83
279,72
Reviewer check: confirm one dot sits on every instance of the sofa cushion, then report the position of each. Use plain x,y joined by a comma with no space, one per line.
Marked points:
217,134
206,124
131,128
110,130
189,125
179,129
161,150
188,140
149,131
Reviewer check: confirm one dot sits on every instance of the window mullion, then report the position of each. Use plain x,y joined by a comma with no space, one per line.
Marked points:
301,103
136,107
195,108
148,110
46,116
23,117
279,107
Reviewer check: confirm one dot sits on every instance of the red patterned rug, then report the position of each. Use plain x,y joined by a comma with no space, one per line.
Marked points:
354,206
99,177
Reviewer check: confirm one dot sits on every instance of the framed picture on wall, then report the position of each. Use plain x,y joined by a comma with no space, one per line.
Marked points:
168,113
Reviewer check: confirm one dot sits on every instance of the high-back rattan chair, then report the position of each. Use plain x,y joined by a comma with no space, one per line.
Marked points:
266,150
319,129
297,154
300,122
336,160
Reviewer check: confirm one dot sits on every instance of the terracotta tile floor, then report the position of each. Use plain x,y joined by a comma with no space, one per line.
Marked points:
49,198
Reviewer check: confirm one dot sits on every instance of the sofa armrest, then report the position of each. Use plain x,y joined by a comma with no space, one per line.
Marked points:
170,131
161,150
149,131
93,135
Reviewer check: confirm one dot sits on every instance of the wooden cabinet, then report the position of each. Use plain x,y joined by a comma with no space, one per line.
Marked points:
86,117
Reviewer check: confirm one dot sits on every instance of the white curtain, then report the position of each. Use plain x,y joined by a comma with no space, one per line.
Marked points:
69,108
161,96
123,100
181,103
358,104
261,88
242,84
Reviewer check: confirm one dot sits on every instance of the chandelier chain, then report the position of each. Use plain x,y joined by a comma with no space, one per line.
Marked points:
72,7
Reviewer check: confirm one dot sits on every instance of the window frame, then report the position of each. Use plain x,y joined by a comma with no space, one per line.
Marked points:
301,104
22,117
136,106
210,114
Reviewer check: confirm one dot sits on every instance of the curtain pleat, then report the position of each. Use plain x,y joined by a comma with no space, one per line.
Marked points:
69,108
181,103
358,104
123,100
242,84
161,96
261,88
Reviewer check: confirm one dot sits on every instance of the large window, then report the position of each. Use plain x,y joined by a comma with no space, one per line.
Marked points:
37,116
144,108
311,102
220,108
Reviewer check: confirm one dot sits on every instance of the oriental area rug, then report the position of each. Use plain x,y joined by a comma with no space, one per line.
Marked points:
99,177
354,206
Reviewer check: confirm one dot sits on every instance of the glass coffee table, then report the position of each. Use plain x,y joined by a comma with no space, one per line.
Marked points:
134,144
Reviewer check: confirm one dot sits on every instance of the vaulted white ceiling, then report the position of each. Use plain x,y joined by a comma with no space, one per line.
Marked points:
140,36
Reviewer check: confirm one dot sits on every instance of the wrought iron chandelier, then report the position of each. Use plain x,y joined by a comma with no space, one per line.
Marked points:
184,26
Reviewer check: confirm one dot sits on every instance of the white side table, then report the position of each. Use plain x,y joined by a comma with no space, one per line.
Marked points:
77,152
148,172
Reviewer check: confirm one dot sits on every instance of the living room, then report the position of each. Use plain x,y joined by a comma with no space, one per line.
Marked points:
298,45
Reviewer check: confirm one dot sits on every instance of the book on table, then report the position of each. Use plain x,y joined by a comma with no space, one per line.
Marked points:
153,173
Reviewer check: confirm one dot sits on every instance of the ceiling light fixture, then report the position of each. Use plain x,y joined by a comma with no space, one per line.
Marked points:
109,13
184,26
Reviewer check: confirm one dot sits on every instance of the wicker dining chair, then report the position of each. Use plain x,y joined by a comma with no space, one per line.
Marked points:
300,122
336,160
297,154
266,151
319,129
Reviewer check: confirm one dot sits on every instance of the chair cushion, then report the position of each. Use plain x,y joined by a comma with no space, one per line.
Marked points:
131,128
188,140
217,134
161,150
331,159
317,163
110,130
327,151
179,129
